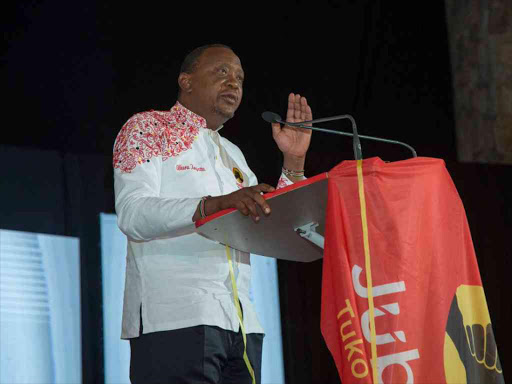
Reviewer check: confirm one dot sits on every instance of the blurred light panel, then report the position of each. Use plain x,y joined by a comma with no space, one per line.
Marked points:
264,294
40,335
265,297
113,271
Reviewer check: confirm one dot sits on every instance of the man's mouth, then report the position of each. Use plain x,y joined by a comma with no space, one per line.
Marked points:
230,97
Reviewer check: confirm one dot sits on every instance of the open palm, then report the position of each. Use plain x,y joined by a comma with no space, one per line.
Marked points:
294,141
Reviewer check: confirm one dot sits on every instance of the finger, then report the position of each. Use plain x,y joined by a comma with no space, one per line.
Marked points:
262,203
309,113
276,129
251,206
297,108
303,109
291,108
240,205
263,188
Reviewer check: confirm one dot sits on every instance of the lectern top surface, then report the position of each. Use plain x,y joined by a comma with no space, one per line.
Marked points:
267,196
274,236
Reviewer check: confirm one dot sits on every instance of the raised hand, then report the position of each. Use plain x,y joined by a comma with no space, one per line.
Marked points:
294,142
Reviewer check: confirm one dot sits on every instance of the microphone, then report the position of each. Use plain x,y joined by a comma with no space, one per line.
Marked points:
358,155
272,117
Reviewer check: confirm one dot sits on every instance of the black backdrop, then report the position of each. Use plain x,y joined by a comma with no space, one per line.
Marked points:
74,73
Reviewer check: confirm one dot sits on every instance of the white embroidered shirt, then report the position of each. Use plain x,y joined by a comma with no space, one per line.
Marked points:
164,162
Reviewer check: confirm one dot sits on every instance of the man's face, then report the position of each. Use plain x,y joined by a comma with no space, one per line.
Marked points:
217,83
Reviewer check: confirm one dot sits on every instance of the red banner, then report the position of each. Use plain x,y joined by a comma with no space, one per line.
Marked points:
424,310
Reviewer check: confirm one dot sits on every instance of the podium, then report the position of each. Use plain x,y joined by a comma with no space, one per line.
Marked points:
293,231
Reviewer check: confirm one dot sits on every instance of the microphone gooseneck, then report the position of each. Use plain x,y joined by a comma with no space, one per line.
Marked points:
272,117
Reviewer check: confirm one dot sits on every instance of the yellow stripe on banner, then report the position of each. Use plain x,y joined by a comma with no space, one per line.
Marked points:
240,316
367,261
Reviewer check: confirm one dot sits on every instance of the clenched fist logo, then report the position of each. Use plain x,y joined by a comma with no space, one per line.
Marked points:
470,352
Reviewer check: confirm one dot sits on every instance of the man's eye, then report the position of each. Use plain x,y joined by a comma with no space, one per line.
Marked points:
223,71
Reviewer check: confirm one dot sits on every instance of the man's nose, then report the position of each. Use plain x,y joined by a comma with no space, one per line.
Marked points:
233,82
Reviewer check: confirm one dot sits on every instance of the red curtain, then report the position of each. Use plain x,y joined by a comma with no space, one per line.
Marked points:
431,319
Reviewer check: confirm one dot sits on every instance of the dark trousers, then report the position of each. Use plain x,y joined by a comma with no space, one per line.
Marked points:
195,355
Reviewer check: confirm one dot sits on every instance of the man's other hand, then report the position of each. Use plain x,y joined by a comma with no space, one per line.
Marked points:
249,201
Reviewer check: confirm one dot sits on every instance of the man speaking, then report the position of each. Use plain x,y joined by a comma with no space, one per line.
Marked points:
170,169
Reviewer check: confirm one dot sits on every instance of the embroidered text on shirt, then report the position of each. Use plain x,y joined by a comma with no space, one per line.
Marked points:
181,167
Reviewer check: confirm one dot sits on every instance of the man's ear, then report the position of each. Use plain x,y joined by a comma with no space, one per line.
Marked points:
185,82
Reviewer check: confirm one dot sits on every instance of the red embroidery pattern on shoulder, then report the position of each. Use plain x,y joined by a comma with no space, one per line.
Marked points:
137,142
151,134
